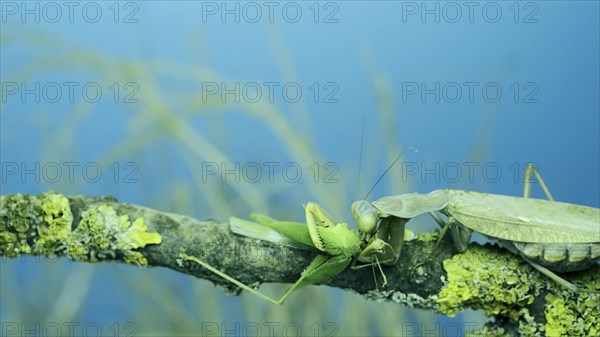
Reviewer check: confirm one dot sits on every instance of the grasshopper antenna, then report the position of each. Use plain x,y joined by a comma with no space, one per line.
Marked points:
387,170
362,143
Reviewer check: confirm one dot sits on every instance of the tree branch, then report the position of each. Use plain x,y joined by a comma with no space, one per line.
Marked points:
93,229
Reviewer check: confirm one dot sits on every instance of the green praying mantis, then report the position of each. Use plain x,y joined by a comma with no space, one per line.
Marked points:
339,247
549,235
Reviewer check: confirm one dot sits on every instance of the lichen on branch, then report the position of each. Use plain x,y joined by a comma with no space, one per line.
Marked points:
521,301
43,225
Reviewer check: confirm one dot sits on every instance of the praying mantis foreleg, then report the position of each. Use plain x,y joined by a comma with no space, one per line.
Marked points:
337,245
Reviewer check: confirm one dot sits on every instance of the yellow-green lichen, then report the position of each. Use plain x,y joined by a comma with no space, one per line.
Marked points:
17,214
487,277
575,314
11,245
428,237
55,230
102,233
528,327
503,284
43,225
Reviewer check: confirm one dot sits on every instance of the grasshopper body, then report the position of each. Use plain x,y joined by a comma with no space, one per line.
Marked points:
557,235
550,235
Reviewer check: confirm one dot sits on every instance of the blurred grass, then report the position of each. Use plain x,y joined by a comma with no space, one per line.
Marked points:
159,133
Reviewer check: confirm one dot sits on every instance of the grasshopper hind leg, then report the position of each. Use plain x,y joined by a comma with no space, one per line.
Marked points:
559,279
552,275
529,170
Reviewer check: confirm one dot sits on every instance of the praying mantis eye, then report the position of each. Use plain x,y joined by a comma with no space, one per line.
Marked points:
366,216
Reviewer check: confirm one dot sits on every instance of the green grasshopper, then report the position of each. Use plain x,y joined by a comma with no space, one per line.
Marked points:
549,235
338,246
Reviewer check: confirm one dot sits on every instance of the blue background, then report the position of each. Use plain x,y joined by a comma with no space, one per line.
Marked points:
156,151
